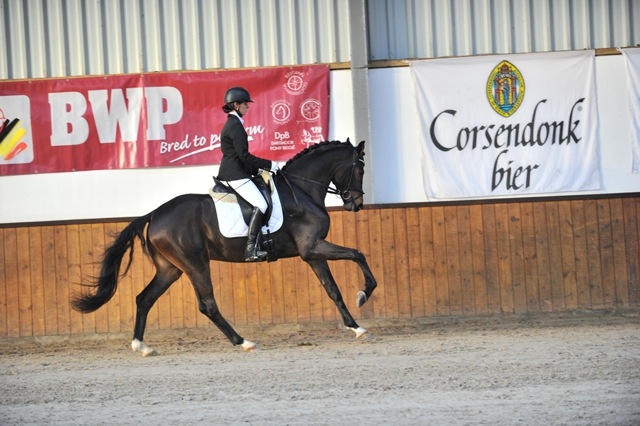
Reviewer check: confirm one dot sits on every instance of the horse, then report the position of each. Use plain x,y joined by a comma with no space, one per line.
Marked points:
183,236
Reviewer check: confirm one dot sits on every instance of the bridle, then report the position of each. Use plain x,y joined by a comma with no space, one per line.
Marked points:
345,194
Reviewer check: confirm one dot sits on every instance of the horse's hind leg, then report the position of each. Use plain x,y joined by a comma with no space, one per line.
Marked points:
166,275
201,279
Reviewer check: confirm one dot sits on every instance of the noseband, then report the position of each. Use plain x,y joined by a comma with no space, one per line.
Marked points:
346,194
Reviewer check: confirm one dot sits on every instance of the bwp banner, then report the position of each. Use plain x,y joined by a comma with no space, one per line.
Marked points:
508,125
156,120
632,58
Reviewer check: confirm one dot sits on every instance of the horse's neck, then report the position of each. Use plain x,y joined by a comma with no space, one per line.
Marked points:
314,177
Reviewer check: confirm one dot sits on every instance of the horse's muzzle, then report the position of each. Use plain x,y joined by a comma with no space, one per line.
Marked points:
351,203
354,206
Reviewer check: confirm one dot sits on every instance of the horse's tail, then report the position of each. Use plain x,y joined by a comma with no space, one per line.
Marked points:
107,282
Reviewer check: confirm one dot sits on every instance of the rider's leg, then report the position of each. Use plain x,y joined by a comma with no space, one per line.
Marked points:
247,190
252,253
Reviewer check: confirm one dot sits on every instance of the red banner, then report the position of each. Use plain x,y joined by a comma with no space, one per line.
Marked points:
155,120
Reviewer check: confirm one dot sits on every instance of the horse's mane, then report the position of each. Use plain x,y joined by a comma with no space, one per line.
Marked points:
320,146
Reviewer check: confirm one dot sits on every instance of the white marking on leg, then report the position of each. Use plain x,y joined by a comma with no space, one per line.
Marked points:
248,345
360,332
361,298
139,346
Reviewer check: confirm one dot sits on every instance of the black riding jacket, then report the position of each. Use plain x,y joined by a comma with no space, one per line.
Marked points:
237,162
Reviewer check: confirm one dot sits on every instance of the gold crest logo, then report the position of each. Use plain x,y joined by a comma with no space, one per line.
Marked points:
505,89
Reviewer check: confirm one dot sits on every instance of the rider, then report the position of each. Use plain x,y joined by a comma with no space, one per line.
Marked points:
238,166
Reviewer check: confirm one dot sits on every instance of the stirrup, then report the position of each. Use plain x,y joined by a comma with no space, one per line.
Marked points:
254,254
255,257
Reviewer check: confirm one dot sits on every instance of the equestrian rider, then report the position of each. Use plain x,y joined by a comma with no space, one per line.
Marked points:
238,166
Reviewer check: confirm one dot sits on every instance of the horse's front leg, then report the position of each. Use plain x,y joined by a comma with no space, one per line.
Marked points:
325,250
322,271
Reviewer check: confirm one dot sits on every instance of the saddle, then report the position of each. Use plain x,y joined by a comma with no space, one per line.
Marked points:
263,182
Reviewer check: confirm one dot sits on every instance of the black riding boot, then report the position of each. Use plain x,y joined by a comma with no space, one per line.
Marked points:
251,253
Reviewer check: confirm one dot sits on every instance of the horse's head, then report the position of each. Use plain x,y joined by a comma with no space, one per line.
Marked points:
328,162
348,180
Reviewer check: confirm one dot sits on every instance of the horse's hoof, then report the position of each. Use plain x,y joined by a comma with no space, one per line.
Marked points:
360,332
139,346
248,345
361,298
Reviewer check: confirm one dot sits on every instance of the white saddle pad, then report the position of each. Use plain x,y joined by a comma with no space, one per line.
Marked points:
230,217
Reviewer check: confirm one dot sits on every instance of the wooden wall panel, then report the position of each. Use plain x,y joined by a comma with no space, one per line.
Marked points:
430,260
480,303
567,239
75,276
24,282
632,244
451,253
517,258
400,264
466,260
414,263
427,256
12,289
4,288
530,258
37,280
375,259
580,252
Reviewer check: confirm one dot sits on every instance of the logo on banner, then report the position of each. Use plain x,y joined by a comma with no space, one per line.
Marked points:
16,146
281,111
312,136
310,109
296,83
505,89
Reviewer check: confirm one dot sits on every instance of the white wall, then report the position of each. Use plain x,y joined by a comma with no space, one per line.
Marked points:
393,163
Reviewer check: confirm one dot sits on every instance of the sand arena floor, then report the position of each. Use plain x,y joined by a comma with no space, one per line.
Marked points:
573,369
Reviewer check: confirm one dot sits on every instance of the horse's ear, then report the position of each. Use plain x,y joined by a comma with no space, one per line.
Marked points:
361,149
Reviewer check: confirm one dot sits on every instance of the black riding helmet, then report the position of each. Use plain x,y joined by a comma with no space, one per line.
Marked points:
237,94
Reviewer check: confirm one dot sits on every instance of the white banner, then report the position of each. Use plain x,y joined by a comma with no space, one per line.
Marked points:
508,125
632,58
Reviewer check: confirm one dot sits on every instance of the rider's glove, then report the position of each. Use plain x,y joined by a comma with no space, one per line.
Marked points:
275,166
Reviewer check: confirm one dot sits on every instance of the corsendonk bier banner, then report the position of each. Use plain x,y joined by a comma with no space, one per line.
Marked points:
632,59
157,119
508,125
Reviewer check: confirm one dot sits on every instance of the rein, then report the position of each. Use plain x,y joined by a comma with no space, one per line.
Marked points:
345,195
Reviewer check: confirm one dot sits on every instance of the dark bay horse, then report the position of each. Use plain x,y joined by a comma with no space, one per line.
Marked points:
183,235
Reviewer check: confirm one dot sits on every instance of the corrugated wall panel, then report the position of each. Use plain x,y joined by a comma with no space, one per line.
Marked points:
93,59
75,55
57,43
15,37
53,38
404,29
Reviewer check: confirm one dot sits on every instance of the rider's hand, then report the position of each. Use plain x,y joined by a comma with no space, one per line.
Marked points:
275,166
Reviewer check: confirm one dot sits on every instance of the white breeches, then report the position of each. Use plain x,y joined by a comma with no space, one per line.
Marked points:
248,190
